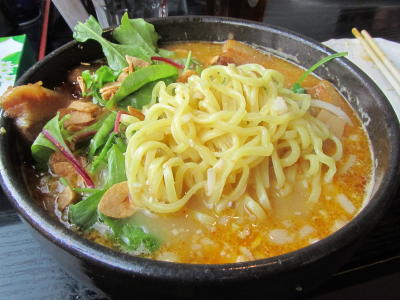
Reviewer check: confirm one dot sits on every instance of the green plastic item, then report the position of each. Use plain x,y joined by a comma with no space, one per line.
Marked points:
15,57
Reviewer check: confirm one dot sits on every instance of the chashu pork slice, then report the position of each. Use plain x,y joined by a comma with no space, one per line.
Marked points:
31,106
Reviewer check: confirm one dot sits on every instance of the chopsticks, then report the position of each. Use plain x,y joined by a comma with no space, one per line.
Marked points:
45,26
383,63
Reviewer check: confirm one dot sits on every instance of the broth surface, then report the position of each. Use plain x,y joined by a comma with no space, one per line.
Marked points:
291,224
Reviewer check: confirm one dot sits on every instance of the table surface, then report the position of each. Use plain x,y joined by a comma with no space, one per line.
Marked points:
27,272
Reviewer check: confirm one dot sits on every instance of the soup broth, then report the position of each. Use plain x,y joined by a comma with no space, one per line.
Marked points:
198,234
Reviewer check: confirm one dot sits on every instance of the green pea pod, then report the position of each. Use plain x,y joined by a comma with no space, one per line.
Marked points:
139,78
102,134
103,153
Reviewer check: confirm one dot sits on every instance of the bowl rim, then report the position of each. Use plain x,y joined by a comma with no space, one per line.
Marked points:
80,247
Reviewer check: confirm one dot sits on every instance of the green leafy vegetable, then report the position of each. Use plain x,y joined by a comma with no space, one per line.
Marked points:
102,134
297,88
116,166
146,30
142,96
120,144
84,213
88,80
42,148
94,82
114,53
103,75
131,237
139,78
136,32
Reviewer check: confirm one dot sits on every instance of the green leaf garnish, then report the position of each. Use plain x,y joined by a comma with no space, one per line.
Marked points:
139,78
131,237
142,97
84,213
94,82
297,88
42,148
136,32
115,53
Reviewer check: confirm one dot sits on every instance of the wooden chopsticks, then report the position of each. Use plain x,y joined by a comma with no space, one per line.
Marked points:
378,56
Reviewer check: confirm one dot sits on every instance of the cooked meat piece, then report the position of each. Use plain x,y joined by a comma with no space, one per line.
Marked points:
82,113
240,53
61,167
84,106
66,197
79,118
32,106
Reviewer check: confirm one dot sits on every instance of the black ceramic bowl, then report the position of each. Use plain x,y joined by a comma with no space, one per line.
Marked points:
290,274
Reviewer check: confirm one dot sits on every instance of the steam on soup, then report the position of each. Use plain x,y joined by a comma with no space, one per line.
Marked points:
197,152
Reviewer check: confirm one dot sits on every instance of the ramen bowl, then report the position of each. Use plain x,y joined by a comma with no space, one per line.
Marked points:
290,274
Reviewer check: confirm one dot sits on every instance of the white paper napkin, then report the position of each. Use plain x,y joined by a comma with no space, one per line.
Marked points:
359,56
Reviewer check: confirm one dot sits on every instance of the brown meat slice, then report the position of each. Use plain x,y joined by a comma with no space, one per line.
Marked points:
32,106
239,53
66,197
78,118
84,106
61,167
82,113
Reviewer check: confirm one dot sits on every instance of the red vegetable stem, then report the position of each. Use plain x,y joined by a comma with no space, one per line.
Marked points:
117,121
68,155
168,61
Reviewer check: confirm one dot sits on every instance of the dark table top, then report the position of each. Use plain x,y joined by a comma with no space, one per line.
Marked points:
27,272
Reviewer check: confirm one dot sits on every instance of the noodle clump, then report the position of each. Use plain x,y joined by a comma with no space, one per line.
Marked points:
229,136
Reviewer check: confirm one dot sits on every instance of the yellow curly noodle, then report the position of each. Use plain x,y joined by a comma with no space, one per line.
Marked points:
230,136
